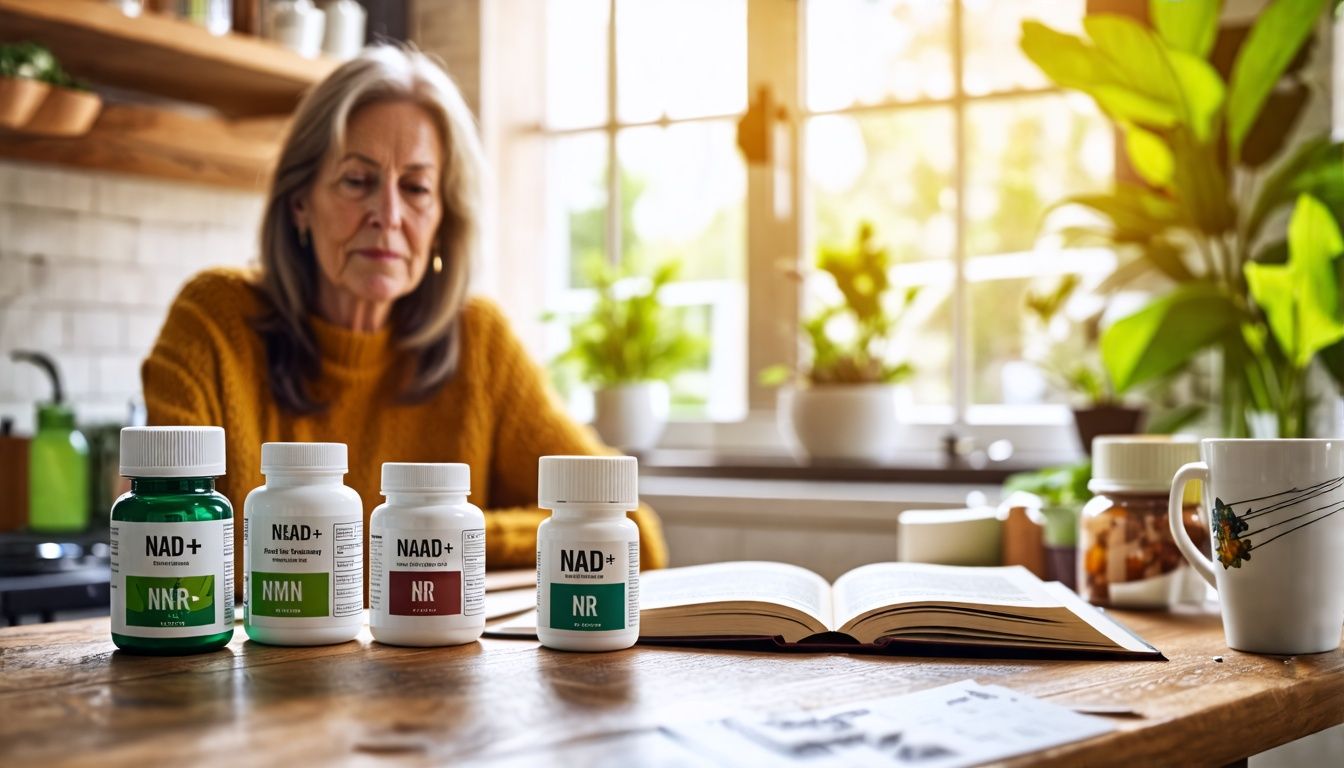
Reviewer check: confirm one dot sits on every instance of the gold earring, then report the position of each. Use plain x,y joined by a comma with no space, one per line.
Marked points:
437,264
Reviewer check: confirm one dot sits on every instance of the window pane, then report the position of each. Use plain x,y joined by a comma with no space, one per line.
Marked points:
683,197
893,169
576,63
926,342
993,28
1024,155
576,206
683,192
1015,358
874,51
680,59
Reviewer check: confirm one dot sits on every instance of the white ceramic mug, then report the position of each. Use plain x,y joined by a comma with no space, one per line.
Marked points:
1276,513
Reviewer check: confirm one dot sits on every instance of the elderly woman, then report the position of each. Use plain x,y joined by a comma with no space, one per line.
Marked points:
357,328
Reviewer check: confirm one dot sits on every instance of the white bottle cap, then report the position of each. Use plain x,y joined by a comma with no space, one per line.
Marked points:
588,480
303,457
172,451
1139,463
441,478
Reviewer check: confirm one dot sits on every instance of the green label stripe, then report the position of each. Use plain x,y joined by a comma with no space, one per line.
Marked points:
170,601
290,594
588,607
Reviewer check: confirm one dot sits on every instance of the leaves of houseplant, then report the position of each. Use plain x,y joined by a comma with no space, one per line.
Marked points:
1162,337
1186,25
1315,168
1274,40
1300,299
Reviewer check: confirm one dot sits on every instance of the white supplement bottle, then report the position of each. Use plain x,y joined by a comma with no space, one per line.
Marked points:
303,548
426,558
588,553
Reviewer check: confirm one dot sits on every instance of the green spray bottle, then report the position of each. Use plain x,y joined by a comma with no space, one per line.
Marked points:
58,460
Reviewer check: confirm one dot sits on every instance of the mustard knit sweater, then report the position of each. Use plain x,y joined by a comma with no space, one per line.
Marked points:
208,367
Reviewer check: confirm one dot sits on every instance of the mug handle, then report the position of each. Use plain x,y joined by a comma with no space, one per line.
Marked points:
1176,513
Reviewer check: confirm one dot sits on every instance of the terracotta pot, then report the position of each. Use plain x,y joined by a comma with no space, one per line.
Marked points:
1106,420
19,99
65,112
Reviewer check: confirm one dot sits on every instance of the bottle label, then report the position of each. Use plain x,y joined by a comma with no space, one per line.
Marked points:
171,579
304,567
420,572
593,586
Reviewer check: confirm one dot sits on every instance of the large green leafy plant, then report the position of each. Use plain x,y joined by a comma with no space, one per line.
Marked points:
1202,117
629,336
850,340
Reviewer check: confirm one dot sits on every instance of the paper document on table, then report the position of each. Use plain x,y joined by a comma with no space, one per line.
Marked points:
963,724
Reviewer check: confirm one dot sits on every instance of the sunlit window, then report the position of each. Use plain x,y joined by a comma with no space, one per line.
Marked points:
919,116
947,140
661,181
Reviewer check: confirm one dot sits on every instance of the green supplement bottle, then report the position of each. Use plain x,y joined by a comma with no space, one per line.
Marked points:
172,543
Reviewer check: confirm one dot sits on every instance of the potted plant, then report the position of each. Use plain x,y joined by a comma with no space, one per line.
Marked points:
1059,494
38,96
1205,115
843,403
23,67
626,348
1066,353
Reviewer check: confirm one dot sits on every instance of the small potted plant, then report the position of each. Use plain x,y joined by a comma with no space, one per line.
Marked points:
23,69
38,96
843,404
69,109
626,348
1059,495
1067,354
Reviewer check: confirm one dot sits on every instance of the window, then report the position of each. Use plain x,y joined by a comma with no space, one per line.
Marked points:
919,116
643,167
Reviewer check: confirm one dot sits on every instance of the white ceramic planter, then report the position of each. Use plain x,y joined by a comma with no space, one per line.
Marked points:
631,417
855,422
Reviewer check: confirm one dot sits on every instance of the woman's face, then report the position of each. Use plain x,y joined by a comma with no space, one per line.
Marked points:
374,209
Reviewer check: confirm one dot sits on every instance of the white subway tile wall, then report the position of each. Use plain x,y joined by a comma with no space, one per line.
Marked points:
89,263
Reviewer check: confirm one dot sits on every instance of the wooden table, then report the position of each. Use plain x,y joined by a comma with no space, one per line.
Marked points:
67,698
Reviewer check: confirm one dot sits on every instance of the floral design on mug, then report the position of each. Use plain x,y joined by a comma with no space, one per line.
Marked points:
1232,532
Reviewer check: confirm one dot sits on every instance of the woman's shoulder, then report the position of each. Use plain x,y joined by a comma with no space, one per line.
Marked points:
221,295
484,321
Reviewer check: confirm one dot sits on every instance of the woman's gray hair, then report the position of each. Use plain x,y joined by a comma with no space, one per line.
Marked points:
425,322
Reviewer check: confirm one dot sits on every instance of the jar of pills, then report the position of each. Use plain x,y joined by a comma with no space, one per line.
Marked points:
1126,555
171,543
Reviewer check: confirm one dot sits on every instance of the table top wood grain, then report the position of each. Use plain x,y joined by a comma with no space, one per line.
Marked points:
67,697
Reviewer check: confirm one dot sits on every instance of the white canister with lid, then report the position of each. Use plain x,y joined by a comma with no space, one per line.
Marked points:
297,25
344,35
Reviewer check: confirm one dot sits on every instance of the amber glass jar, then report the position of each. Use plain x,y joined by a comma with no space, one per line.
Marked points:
1126,555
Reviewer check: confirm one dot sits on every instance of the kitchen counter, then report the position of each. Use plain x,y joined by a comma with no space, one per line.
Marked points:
66,697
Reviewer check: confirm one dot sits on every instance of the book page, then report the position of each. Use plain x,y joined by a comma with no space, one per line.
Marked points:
1099,620
883,584
778,583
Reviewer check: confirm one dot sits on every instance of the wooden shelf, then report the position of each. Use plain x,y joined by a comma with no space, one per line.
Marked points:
239,75
149,141
250,85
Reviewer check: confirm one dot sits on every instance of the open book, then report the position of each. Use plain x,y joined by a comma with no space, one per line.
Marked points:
876,605
886,604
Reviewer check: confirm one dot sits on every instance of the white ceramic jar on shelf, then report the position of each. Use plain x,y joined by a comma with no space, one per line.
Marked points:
345,28
297,25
